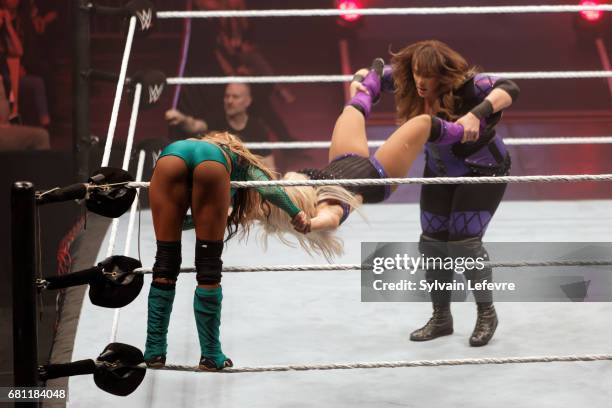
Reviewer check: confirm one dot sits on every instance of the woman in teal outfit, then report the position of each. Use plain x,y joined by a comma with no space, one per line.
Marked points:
196,173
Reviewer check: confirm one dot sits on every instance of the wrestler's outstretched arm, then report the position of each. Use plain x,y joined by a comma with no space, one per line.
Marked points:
328,217
277,196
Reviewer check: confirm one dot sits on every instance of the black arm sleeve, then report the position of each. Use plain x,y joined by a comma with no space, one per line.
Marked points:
510,87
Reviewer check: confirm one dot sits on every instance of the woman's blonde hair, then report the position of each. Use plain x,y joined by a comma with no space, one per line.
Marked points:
247,205
434,59
325,243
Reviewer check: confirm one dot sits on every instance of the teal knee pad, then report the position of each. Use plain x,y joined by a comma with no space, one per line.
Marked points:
161,298
207,310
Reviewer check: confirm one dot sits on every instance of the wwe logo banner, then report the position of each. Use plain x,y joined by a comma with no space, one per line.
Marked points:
146,18
144,11
155,92
153,84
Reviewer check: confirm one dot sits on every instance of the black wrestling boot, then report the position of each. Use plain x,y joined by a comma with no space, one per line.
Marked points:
440,324
486,323
156,362
208,364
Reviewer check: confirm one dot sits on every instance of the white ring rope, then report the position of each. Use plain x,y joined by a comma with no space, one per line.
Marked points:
272,268
348,78
428,180
125,166
126,163
117,101
397,11
112,237
414,180
401,364
128,239
553,74
132,127
354,267
563,140
510,141
257,79
130,229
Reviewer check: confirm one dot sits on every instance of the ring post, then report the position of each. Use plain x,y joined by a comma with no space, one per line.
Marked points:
23,242
81,67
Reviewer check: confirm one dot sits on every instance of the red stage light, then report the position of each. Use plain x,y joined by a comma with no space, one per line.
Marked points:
591,16
349,5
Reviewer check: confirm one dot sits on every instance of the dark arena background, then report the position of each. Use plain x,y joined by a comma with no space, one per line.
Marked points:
55,116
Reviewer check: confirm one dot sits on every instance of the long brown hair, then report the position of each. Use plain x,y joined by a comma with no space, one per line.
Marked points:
247,205
429,58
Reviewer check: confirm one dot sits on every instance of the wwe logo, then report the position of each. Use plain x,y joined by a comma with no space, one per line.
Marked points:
145,17
155,92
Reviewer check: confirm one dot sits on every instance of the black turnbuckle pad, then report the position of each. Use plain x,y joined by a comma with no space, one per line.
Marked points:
109,194
118,370
112,283
117,285
153,83
145,13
